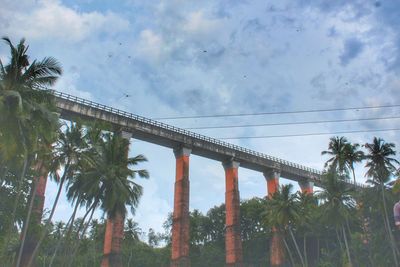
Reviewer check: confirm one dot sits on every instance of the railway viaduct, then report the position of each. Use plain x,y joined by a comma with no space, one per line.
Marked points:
184,143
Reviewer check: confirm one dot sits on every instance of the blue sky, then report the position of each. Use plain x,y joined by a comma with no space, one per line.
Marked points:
260,56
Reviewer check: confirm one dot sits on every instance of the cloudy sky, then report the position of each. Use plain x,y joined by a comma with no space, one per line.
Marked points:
180,58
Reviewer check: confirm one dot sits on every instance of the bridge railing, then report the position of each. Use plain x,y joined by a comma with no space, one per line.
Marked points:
186,132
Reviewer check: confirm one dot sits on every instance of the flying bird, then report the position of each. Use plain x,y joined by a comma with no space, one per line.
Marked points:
124,96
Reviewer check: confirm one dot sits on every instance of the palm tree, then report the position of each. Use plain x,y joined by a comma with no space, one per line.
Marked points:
68,153
24,101
380,161
307,208
81,191
28,114
337,205
109,182
353,155
337,149
281,213
381,166
132,230
118,190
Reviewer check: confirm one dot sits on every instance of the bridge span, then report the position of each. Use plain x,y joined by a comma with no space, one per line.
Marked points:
163,134
184,143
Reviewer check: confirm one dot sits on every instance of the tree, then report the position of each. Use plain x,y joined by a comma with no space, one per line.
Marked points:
113,180
281,213
353,155
337,148
380,167
380,161
68,153
132,230
307,221
337,206
28,114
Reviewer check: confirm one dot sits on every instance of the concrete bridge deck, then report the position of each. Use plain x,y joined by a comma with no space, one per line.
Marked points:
159,133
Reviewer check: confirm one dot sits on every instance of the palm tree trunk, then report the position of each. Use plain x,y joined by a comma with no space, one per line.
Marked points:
289,252
26,224
305,250
354,176
296,245
36,250
75,249
91,209
63,236
393,245
340,241
69,230
130,257
347,245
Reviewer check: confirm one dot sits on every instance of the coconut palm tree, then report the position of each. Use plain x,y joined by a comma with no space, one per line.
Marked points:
118,190
132,230
69,152
25,102
380,160
28,115
109,183
281,213
307,207
353,155
337,151
380,167
337,206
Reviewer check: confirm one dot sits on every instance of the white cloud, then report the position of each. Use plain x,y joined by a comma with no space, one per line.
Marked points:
51,19
198,24
150,46
152,209
266,67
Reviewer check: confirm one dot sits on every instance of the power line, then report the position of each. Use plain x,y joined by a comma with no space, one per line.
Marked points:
274,113
289,123
308,134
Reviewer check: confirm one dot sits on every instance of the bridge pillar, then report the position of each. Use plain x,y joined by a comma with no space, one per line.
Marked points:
180,221
272,177
277,257
307,187
233,240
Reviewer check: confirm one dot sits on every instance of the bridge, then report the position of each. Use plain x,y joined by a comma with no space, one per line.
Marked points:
184,143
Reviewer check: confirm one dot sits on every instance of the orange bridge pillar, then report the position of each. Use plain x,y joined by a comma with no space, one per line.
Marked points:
277,256
307,187
233,240
272,177
180,221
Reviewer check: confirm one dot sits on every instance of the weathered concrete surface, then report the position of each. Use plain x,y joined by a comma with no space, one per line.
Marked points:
233,240
180,217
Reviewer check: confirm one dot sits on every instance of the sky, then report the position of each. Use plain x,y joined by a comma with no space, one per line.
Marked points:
172,58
